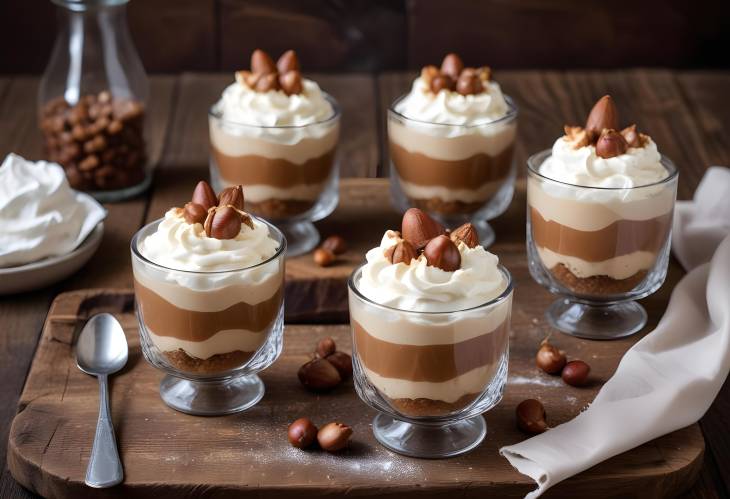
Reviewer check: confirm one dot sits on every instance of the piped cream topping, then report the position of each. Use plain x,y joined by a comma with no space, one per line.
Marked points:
422,288
179,245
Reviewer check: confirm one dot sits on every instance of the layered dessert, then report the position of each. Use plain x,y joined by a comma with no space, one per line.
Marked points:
430,317
275,132
208,282
600,205
41,215
452,138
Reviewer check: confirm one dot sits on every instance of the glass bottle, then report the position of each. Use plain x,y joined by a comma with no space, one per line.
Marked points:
92,101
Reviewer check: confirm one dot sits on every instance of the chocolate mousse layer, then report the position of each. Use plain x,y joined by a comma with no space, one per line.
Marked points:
470,173
622,237
257,170
432,363
165,319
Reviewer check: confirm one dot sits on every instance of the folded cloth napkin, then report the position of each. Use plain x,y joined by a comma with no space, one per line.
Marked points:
655,390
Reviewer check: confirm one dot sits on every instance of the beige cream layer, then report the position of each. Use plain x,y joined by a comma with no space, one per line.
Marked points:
460,143
274,144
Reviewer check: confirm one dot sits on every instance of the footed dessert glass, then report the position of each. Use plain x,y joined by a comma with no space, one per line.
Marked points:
599,248
430,375
291,172
210,332
455,173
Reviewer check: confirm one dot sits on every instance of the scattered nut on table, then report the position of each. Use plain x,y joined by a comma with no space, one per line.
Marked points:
319,375
531,417
334,436
549,358
336,244
323,257
575,373
328,368
325,347
302,433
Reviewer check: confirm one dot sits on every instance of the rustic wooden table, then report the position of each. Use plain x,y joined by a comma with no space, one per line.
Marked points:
686,113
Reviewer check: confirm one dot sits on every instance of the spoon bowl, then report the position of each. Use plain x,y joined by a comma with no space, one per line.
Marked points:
102,346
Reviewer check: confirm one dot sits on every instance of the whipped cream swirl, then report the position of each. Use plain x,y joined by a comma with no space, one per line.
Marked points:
451,108
40,214
179,245
421,288
245,111
638,166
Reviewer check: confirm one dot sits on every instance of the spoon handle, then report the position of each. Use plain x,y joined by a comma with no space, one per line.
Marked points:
105,467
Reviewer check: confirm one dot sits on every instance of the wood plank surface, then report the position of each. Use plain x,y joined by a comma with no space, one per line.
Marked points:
355,93
169,454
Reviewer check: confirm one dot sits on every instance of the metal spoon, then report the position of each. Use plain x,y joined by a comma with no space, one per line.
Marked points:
100,351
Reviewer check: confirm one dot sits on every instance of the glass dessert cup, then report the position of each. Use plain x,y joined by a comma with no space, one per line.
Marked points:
599,248
455,173
430,375
210,332
291,173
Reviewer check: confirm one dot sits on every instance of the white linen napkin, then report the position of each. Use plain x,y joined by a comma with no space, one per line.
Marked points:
655,390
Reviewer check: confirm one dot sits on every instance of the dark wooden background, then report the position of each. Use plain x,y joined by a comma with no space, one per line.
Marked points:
376,35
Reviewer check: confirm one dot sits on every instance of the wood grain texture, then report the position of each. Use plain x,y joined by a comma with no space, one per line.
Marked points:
168,454
359,35
189,143
568,34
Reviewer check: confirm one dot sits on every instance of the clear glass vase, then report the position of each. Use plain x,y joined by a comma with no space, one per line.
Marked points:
92,100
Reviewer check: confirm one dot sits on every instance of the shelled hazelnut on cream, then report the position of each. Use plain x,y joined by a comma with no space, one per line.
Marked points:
452,138
209,291
424,359
601,216
275,132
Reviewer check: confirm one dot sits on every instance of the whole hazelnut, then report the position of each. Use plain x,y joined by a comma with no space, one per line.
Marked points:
323,257
334,436
302,433
326,347
194,213
611,144
549,358
531,416
342,362
204,195
441,252
336,244
441,82
575,373
232,196
319,375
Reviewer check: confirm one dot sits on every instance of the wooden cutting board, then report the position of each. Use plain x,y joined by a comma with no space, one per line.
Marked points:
169,454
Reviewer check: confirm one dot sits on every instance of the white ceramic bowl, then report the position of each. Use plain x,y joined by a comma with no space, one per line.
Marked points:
36,275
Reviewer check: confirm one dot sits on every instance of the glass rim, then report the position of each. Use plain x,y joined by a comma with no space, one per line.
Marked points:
215,113
494,301
666,162
279,252
512,112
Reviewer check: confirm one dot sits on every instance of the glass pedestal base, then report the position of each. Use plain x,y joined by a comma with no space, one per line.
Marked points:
429,441
301,237
211,398
596,322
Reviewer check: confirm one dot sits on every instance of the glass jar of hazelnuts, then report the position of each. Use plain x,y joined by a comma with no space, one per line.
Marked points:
92,101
